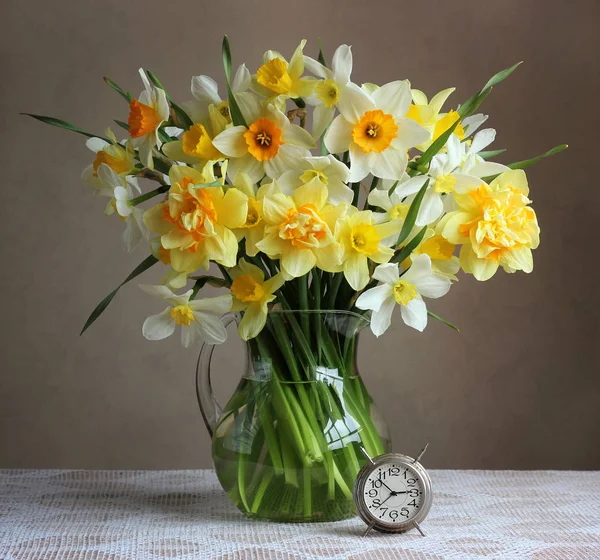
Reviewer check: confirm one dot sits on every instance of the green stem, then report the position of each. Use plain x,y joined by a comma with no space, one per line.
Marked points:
303,304
150,194
332,291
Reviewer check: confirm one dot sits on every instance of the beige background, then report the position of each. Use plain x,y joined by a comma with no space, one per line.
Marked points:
519,387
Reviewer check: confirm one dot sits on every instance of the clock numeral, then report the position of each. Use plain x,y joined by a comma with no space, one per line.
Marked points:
372,493
411,481
413,492
383,510
404,512
394,514
394,471
413,503
376,502
376,483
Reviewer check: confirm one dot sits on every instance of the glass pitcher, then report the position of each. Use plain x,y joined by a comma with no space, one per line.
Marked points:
287,446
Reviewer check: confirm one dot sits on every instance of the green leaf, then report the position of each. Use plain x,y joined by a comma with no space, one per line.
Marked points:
437,145
500,76
411,215
447,323
466,109
151,194
489,154
122,124
226,53
299,102
182,117
321,58
529,162
63,124
405,252
237,118
118,89
142,267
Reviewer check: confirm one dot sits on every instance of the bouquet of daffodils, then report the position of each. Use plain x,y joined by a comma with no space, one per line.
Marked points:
372,201
377,204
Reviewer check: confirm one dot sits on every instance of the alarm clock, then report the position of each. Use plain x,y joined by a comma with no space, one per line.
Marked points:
392,493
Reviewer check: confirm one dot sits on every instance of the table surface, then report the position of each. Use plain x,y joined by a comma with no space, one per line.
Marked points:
126,515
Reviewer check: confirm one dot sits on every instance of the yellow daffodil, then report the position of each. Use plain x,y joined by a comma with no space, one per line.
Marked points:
428,114
407,291
195,222
299,230
253,229
199,318
329,89
146,115
269,145
196,145
252,294
363,239
441,253
326,170
278,78
375,130
495,226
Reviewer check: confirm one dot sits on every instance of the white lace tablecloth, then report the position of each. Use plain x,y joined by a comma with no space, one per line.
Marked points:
126,515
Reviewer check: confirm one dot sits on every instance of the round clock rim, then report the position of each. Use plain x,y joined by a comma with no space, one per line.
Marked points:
360,502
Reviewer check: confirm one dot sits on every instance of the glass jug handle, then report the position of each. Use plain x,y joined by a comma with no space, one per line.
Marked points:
209,407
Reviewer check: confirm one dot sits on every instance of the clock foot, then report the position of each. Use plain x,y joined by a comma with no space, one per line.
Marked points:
369,528
418,527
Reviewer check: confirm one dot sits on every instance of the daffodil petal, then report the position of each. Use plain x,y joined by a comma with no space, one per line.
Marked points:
159,327
414,314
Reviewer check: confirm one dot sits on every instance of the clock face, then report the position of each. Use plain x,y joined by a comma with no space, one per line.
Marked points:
393,492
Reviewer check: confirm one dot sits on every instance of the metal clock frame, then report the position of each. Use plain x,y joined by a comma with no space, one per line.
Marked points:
360,502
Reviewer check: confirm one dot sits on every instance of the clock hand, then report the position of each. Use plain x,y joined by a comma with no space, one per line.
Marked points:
392,494
384,483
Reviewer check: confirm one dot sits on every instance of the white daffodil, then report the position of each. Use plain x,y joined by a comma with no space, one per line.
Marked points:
146,114
397,198
269,145
206,93
327,91
375,130
406,290
199,318
121,159
121,191
325,170
471,163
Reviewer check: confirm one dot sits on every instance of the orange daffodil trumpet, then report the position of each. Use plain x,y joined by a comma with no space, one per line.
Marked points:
146,115
366,212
